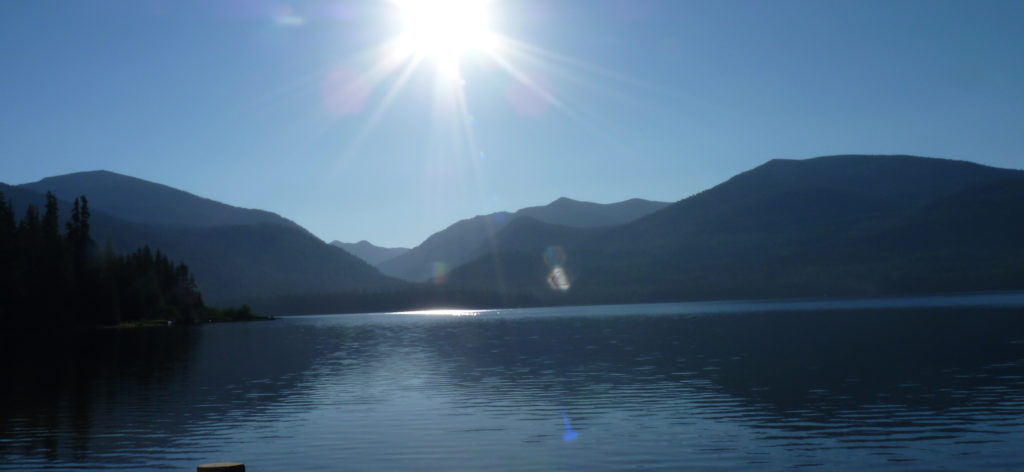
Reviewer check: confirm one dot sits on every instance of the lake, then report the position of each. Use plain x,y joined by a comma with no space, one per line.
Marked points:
926,383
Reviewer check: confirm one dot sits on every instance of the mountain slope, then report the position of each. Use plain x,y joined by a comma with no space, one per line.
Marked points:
262,257
841,225
369,252
445,249
467,239
237,263
147,202
782,193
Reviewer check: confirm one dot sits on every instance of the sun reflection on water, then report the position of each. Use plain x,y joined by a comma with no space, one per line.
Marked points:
440,312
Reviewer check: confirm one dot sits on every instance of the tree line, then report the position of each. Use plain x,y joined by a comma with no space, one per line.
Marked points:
51,278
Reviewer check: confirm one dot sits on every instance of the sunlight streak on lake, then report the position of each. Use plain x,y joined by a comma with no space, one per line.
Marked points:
440,312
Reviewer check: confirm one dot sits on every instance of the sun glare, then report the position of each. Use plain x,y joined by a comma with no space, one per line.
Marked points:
440,312
447,34
445,30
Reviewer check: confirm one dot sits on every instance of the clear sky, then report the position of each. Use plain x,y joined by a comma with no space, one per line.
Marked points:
313,110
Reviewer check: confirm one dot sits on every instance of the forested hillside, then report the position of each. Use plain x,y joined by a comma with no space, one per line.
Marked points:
236,254
56,278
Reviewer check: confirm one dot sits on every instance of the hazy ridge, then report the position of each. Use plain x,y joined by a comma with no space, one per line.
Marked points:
370,252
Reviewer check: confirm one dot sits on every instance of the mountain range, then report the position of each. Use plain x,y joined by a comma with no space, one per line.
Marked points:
830,226
467,239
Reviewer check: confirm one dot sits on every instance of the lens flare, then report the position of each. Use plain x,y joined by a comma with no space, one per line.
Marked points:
440,272
569,434
345,93
554,256
285,15
558,279
530,95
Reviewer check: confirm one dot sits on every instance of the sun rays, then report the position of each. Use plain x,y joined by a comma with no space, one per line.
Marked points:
458,47
445,35
444,30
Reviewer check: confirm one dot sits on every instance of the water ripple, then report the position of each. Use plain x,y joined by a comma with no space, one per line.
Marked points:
657,389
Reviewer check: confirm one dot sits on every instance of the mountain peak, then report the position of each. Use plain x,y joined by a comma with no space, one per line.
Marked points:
138,200
99,174
563,200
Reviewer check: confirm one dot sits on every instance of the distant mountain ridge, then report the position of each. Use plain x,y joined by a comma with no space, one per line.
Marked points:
466,239
236,254
837,225
578,214
369,252
150,202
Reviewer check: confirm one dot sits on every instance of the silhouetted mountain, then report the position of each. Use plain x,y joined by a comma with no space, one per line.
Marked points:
577,214
147,202
444,249
526,233
234,264
370,253
840,225
467,239
236,254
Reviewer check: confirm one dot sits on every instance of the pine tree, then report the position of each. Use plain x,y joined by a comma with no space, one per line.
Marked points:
78,237
86,236
7,222
74,223
8,269
51,217
50,281
30,223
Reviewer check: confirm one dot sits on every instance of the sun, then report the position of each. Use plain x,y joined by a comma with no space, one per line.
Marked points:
445,30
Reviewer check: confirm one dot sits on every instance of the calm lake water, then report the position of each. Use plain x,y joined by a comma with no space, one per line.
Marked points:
901,384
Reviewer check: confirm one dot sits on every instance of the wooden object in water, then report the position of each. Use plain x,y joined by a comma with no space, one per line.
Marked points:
222,467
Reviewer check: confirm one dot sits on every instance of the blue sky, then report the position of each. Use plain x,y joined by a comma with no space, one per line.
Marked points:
276,105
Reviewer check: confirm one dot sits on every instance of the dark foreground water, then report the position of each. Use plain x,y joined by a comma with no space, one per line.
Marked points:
911,384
